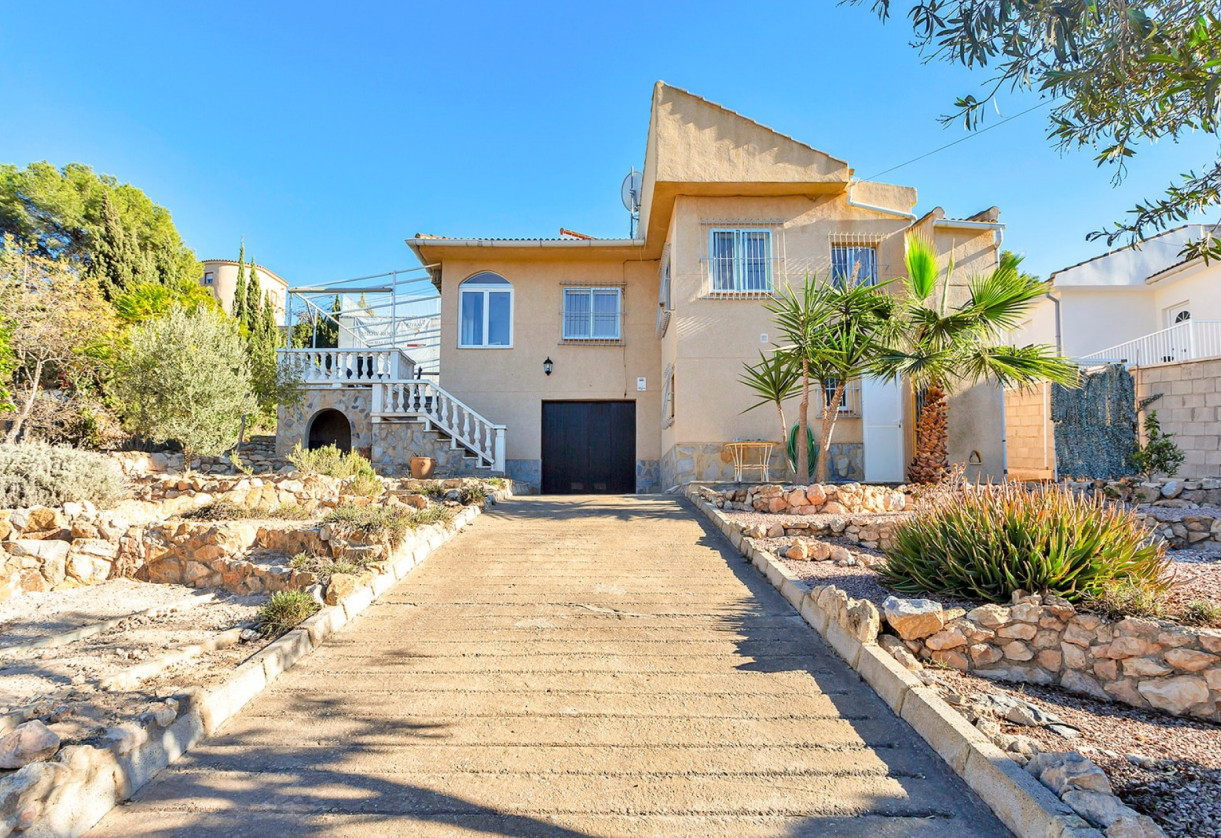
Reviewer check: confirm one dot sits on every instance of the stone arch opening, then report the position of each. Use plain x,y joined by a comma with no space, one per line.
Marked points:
330,427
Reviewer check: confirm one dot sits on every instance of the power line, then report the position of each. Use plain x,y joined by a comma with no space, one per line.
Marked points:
961,139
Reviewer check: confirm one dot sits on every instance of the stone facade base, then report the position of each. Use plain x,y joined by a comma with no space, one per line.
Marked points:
389,445
529,473
710,463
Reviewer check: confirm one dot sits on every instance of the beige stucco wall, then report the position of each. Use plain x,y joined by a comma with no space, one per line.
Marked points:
1030,433
710,338
1190,408
225,280
508,386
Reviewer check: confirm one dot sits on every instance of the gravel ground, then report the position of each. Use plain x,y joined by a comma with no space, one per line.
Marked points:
67,675
1166,767
31,616
1171,514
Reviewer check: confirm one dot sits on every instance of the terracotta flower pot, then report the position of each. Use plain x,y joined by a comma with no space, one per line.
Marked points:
422,467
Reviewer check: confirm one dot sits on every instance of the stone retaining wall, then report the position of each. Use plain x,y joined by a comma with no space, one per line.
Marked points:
1045,640
815,499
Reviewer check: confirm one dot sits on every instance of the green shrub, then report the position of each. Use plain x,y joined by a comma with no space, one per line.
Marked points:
473,495
332,462
366,485
993,541
289,512
429,515
284,610
368,523
1160,454
223,510
1202,612
1124,598
48,475
324,567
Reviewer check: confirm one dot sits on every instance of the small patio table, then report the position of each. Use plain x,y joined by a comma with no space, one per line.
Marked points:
751,456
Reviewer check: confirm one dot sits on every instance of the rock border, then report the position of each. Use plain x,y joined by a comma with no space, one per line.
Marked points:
1019,800
66,797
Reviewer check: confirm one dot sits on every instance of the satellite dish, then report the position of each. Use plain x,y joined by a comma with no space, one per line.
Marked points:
630,191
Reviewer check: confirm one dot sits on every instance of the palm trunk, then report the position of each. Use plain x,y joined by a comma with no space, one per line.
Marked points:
828,427
15,430
803,425
931,461
784,430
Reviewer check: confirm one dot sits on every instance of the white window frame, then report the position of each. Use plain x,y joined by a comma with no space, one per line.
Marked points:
590,291
845,245
739,261
485,289
665,303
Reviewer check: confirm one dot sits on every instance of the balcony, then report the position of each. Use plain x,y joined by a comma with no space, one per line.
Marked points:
1191,340
339,367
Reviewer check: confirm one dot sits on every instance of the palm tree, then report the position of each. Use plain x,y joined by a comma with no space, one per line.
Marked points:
799,316
773,380
941,348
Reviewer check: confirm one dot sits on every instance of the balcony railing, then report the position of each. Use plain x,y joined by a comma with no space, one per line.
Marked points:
1190,340
337,367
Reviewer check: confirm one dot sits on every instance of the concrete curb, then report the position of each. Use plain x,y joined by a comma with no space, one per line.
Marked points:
1020,801
94,780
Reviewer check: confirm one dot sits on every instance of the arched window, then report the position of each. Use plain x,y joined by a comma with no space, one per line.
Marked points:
485,312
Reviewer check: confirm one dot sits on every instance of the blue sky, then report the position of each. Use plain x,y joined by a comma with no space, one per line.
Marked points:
327,133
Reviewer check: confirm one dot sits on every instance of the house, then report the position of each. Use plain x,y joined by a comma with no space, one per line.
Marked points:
578,364
1153,311
220,277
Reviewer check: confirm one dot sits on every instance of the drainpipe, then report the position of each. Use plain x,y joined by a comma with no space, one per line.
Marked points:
911,216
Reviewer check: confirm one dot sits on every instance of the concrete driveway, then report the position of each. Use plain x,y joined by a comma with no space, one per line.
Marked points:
586,666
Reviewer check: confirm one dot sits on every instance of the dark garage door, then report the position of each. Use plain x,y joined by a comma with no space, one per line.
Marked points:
589,447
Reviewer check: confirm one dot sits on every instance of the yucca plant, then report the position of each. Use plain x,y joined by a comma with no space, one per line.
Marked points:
995,540
940,347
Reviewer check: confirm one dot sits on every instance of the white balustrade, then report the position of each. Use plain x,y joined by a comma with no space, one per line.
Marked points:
1190,340
424,399
337,367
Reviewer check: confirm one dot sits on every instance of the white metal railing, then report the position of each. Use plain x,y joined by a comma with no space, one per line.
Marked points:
424,399
337,367
1190,340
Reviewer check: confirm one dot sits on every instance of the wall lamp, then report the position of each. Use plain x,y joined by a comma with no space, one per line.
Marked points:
548,366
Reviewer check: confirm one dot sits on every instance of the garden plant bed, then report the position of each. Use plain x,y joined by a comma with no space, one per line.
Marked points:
1166,767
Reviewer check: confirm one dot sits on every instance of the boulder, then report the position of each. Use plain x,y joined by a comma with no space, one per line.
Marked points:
913,619
816,495
340,586
26,743
1172,488
1132,825
41,550
1174,695
43,519
1068,771
1096,807
863,621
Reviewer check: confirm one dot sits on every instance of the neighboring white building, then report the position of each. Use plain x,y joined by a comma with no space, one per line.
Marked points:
1141,306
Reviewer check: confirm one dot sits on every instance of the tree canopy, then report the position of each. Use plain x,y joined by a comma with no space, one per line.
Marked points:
1119,74
111,230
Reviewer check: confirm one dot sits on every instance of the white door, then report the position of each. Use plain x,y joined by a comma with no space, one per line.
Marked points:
882,415
1178,341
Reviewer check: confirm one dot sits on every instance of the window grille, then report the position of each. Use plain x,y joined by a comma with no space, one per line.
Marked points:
593,314
854,258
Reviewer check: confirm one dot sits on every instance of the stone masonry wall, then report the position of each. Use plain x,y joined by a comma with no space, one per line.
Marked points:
815,499
1190,408
1045,640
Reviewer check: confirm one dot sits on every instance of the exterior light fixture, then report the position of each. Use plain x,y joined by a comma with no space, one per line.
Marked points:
548,366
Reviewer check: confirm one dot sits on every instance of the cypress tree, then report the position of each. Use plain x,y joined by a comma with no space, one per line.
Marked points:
254,297
239,290
116,258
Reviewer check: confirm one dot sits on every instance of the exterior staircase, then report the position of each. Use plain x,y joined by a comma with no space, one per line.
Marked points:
399,397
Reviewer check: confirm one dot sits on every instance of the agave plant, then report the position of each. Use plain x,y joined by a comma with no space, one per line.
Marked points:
940,348
993,541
